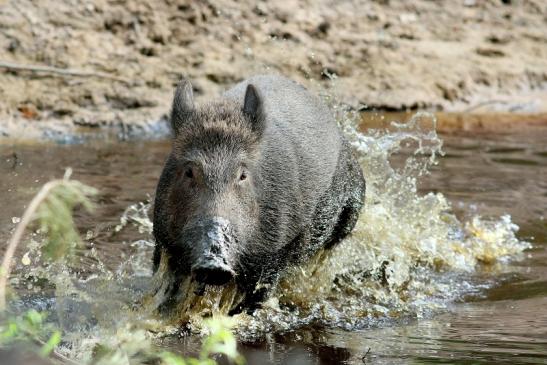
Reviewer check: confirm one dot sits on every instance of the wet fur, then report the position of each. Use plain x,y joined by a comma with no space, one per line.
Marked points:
308,187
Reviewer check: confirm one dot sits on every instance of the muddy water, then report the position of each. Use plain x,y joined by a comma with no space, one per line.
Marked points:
462,312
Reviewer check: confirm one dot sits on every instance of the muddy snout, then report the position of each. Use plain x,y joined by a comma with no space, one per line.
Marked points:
213,258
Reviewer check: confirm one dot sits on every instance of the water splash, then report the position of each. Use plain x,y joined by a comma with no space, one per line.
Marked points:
409,255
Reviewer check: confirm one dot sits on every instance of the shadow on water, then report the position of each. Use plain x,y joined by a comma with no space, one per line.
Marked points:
501,318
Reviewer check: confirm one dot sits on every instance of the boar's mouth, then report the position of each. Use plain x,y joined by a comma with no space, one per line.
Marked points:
213,251
213,272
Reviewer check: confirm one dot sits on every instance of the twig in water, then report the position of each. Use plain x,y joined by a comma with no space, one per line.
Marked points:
57,355
364,357
28,216
59,71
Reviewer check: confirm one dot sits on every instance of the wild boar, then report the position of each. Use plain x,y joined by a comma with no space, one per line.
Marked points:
257,180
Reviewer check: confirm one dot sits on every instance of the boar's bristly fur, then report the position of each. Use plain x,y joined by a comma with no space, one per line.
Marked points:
257,180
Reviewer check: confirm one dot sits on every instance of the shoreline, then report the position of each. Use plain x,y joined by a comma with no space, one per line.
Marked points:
113,66
61,132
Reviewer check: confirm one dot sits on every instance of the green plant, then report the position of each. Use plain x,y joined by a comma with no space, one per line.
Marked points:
219,341
30,326
134,347
52,207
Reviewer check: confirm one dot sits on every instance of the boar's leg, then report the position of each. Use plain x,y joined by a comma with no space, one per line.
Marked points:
156,258
257,288
256,292
252,302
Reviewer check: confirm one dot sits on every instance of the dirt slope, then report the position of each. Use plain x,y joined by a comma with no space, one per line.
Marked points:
123,57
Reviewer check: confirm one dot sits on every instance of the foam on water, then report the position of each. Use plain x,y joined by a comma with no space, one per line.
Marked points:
408,256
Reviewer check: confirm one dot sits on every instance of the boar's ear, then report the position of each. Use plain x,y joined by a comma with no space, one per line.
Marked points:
252,108
183,104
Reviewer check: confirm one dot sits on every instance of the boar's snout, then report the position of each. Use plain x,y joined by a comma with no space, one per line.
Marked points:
213,253
212,271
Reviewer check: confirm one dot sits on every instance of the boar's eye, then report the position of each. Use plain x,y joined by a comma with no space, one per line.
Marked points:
243,176
189,173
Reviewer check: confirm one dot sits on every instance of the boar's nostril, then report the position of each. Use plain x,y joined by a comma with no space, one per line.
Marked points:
212,274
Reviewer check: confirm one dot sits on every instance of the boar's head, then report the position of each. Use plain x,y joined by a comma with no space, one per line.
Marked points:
206,209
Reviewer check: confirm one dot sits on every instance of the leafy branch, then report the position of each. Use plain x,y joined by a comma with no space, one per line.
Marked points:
52,207
30,325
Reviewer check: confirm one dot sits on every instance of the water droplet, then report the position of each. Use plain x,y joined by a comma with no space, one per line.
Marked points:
26,259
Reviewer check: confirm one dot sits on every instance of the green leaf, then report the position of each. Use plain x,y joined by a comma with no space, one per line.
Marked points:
50,345
34,318
220,341
9,333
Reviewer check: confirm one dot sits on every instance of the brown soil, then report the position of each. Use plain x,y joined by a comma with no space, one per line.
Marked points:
115,62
